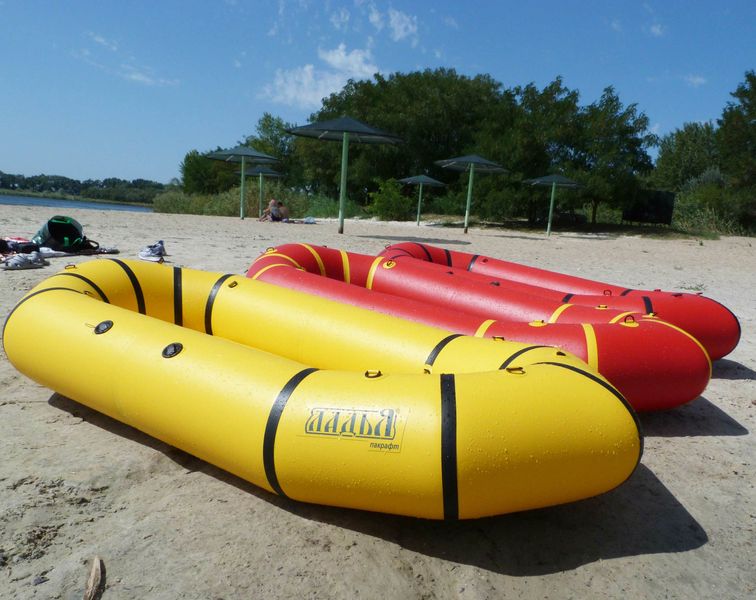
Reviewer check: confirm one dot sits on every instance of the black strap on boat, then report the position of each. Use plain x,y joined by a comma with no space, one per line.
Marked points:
449,482
427,252
520,352
211,301
271,428
89,282
29,297
138,293
608,387
649,306
178,297
438,347
567,298
626,292
472,261
448,258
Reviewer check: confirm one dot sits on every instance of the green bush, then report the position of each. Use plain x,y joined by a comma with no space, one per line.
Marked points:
389,204
300,203
450,203
708,207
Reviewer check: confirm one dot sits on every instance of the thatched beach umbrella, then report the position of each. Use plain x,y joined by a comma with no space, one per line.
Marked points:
420,180
471,163
345,129
246,156
554,181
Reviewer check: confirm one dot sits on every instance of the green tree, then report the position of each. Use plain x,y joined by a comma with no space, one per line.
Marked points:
437,113
272,138
737,134
685,154
201,175
611,151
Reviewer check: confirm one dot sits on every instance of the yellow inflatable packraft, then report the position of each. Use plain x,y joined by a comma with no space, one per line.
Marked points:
325,403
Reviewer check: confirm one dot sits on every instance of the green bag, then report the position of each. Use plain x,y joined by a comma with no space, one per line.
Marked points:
65,234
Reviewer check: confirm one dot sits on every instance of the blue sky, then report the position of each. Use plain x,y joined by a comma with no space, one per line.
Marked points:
95,89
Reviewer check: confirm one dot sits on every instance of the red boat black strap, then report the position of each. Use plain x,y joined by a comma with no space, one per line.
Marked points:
520,352
649,306
567,298
89,282
178,297
472,261
449,482
427,252
438,347
211,301
271,428
626,292
135,284
448,258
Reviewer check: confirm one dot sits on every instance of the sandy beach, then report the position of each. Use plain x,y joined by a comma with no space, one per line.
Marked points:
75,484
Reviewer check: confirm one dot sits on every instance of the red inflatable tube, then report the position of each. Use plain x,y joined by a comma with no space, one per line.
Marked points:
654,364
713,324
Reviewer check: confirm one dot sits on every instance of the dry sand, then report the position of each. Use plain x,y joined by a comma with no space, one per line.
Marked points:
75,484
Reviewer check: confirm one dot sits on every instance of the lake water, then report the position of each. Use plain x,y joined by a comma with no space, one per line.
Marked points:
55,203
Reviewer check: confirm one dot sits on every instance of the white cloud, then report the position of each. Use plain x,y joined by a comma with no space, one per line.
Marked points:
306,86
376,18
616,25
402,26
340,19
115,64
143,75
657,30
103,41
354,63
451,22
695,80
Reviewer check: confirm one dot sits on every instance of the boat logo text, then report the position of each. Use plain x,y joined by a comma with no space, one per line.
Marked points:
376,424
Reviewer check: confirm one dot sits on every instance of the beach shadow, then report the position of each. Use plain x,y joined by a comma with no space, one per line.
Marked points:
639,517
729,369
422,240
696,418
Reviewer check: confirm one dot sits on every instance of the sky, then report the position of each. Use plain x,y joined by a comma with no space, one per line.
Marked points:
97,89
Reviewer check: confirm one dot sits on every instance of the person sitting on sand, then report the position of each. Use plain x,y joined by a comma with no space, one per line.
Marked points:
273,212
284,211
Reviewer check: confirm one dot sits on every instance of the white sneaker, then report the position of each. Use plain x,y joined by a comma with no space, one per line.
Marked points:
153,253
17,262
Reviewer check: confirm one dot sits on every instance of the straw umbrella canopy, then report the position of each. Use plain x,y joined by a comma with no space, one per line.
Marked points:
472,163
260,172
344,130
420,180
554,181
246,156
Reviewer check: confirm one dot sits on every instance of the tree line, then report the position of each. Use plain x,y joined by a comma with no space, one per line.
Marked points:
531,131
142,191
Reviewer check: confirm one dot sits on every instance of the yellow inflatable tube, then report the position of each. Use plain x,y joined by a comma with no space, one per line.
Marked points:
448,445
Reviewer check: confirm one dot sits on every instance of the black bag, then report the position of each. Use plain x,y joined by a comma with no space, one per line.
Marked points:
65,234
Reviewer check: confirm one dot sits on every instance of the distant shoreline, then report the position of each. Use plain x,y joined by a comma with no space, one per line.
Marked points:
54,196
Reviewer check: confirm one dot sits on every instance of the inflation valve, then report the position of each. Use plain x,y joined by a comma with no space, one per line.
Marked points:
103,327
172,350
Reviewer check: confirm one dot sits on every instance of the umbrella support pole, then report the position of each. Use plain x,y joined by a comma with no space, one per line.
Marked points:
419,204
551,208
342,185
242,195
260,201
469,194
